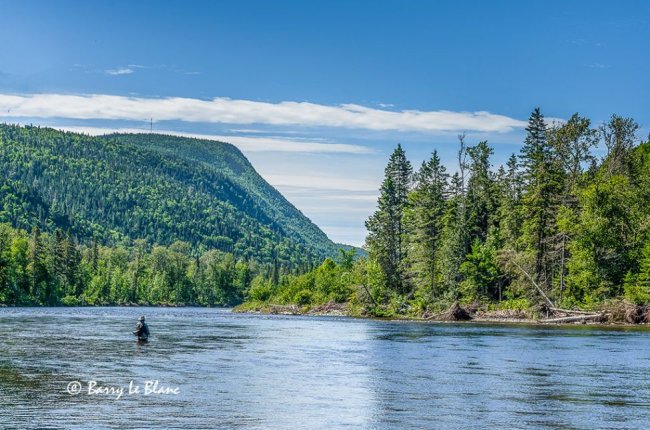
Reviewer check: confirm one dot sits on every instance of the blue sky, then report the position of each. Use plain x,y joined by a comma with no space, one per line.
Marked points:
317,93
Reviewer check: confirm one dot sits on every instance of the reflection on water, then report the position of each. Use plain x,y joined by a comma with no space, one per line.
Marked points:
260,372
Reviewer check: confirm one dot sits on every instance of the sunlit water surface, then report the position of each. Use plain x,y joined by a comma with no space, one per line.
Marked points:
273,372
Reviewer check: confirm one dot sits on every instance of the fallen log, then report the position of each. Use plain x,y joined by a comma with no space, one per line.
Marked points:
569,311
582,318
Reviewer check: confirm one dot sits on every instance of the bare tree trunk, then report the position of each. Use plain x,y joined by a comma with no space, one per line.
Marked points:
594,317
530,278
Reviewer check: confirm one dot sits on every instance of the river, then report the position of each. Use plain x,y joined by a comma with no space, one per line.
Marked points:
218,369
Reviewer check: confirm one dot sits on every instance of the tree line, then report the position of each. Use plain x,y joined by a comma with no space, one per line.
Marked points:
39,268
555,223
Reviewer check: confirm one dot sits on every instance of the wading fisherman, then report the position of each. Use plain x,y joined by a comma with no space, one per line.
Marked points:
141,330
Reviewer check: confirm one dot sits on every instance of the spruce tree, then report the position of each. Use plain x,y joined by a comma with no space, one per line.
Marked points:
382,240
38,268
455,242
509,204
543,186
386,239
480,192
400,171
424,225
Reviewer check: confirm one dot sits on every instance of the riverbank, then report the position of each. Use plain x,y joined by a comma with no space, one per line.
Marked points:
613,314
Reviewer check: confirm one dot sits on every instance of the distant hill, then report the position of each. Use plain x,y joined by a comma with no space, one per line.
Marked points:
161,188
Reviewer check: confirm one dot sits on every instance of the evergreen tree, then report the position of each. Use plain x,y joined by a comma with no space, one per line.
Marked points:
386,233
509,207
455,235
480,192
38,270
424,219
5,263
400,171
543,189
139,252
382,240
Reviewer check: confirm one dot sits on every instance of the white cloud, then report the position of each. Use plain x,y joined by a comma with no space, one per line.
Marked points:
321,182
245,143
229,111
272,144
598,66
120,71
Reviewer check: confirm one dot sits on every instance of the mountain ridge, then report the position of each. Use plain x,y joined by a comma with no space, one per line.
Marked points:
158,187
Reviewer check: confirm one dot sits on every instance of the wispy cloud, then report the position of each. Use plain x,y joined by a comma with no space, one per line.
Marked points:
229,111
120,71
245,143
322,182
598,66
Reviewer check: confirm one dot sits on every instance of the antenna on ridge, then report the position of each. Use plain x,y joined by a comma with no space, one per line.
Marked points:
151,125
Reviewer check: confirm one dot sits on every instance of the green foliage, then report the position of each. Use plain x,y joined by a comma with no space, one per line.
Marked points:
157,219
52,269
260,290
554,219
424,216
386,230
481,273
520,304
328,283
303,297
119,188
543,189
637,285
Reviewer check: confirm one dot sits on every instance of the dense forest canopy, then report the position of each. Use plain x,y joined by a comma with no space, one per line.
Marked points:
556,224
119,188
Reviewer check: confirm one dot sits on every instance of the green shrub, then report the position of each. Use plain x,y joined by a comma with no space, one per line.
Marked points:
303,297
520,304
70,301
260,290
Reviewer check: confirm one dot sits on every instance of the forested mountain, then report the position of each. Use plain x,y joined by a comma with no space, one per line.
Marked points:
119,188
227,160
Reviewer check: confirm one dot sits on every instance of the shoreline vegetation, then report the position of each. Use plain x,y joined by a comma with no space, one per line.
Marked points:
559,234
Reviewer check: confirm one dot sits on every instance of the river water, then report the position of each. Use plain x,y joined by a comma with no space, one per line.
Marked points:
217,369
